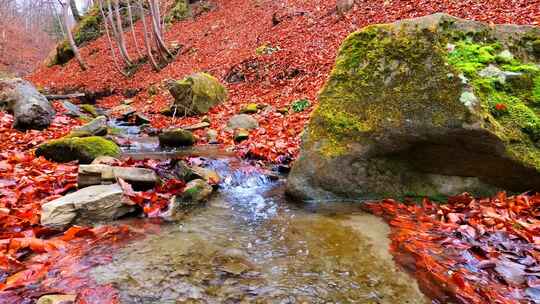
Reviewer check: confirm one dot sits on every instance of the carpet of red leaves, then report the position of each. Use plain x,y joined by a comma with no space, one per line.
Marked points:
469,250
459,251
308,35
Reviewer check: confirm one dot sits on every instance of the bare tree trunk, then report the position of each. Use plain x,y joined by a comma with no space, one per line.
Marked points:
118,31
71,40
157,33
130,15
74,10
146,40
111,47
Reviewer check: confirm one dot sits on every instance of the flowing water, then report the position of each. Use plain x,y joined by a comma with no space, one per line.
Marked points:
248,244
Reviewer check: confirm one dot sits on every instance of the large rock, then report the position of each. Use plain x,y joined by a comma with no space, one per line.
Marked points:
84,149
407,111
86,206
196,94
30,109
97,174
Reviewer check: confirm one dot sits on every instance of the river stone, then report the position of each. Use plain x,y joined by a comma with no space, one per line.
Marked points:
90,175
209,175
86,206
196,94
57,299
242,121
212,136
96,127
196,191
405,113
84,149
176,137
30,108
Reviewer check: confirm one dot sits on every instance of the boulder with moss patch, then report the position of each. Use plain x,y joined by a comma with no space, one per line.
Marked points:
196,94
409,110
85,149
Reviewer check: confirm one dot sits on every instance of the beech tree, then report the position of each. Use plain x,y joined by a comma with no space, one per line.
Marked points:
69,34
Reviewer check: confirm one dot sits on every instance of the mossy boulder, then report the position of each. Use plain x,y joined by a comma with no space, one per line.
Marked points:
176,137
85,150
196,94
410,110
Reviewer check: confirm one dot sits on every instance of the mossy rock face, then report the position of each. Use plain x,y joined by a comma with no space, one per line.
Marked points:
425,107
196,94
85,150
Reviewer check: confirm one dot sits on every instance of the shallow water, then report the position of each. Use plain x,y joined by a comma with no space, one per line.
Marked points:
250,245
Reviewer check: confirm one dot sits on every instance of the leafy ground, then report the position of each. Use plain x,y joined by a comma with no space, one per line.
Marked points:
300,51
457,246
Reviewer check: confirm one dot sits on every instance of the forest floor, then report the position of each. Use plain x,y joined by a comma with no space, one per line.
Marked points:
223,42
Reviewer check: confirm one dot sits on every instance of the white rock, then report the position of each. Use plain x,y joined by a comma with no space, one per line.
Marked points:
88,205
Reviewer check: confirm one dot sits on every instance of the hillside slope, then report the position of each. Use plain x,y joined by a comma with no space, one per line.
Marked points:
303,37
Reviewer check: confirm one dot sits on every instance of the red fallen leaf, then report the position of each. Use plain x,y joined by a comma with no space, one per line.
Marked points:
77,231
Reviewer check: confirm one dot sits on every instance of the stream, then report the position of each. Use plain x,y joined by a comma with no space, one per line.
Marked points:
249,244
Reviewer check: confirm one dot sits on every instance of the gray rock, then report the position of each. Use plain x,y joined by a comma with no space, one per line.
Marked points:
90,175
209,175
57,299
403,123
96,127
176,137
29,107
72,109
86,206
243,121
211,136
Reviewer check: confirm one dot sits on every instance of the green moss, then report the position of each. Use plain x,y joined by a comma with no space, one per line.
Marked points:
536,90
179,12
469,57
197,93
90,109
85,150
370,90
510,106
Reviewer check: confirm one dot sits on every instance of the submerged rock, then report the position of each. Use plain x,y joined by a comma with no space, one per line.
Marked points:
197,191
176,137
86,206
30,108
196,94
85,149
411,109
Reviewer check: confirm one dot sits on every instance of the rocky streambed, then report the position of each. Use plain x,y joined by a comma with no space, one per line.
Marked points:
250,245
